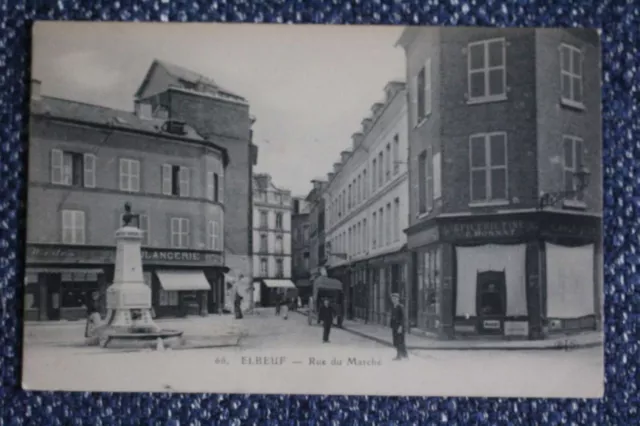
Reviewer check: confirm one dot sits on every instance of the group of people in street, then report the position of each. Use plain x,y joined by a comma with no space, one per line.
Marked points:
327,314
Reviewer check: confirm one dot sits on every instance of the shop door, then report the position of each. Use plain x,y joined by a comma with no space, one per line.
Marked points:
490,301
53,282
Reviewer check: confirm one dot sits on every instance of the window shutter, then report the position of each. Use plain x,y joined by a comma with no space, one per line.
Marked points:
144,227
427,87
134,179
166,180
56,166
184,181
221,188
210,186
89,171
413,100
124,171
80,227
437,178
187,232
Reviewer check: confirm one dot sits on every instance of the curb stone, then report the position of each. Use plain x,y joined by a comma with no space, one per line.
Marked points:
566,344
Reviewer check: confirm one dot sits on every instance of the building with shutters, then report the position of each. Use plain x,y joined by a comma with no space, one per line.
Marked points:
271,241
300,249
366,201
502,121
85,162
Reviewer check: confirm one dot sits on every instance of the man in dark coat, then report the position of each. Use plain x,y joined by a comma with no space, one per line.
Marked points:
397,327
325,315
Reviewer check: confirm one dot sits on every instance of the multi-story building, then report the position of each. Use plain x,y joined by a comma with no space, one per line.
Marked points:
271,240
221,116
502,121
366,203
317,252
85,162
300,271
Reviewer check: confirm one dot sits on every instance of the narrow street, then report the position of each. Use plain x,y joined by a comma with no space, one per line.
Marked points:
287,356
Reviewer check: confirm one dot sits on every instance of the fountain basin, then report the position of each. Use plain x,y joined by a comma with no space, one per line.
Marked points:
136,337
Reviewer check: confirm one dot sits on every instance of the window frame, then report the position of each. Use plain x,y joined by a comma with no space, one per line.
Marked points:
180,232
128,175
485,70
575,141
570,49
488,168
74,214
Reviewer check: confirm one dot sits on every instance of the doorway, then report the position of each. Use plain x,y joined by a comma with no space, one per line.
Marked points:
54,284
491,301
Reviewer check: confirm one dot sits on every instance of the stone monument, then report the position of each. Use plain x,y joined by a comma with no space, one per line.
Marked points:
129,308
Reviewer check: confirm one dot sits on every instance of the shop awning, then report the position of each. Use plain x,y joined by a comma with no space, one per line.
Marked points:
279,284
183,280
304,282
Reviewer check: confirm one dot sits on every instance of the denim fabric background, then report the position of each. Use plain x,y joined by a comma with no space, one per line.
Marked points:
620,22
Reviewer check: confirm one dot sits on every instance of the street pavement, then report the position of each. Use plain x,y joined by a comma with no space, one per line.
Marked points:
288,356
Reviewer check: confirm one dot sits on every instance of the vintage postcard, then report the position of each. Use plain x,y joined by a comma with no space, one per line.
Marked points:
314,210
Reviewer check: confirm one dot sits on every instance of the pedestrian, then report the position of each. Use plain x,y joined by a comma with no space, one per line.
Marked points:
278,303
397,327
237,306
326,315
285,308
94,320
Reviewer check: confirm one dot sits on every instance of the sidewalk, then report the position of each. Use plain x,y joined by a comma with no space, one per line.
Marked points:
382,335
199,332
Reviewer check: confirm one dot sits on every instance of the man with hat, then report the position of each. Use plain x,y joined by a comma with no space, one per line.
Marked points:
397,327
326,315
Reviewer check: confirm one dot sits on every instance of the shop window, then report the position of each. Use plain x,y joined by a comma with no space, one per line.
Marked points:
31,292
168,298
74,293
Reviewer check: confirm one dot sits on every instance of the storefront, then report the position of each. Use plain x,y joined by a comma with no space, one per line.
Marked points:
273,291
59,278
512,276
369,284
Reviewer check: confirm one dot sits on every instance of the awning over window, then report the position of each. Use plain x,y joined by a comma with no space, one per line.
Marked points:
183,280
279,284
304,282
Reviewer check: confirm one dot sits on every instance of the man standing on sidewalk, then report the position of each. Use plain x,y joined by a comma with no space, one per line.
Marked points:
326,317
397,327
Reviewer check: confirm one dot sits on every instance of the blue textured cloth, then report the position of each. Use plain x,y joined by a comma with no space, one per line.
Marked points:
620,21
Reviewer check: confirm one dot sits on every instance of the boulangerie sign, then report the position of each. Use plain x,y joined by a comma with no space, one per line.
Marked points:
319,183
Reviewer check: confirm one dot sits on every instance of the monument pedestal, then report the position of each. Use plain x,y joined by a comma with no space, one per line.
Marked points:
129,297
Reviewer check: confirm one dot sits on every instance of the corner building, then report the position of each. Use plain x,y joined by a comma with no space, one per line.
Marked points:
366,202
498,117
85,162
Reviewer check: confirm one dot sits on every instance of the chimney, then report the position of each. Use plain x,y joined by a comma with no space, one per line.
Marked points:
36,86
330,176
357,139
366,125
375,108
392,88
344,155
336,167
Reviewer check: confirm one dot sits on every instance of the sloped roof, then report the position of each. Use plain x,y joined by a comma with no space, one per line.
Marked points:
181,75
89,113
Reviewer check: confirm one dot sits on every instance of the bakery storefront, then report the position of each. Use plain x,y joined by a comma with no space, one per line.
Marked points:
512,276
59,278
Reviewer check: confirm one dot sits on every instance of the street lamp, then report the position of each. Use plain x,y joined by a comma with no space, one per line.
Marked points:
581,179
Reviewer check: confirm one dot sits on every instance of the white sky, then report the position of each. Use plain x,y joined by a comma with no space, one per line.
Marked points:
309,86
